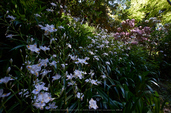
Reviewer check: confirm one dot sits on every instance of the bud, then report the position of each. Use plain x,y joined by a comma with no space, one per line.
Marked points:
8,70
32,39
63,65
48,85
21,68
11,60
20,50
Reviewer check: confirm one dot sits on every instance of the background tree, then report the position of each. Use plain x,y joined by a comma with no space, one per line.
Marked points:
145,9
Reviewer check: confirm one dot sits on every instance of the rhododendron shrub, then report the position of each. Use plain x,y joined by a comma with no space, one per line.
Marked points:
128,33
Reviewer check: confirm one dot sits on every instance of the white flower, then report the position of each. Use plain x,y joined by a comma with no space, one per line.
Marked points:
80,95
115,52
45,72
94,82
69,45
53,39
96,57
56,77
37,15
48,28
91,52
44,48
24,92
87,58
43,62
63,65
71,83
53,63
54,55
33,48
93,41
61,27
11,17
34,69
69,76
49,10
105,54
40,86
106,42
153,18
91,73
73,57
161,51
40,26
5,94
9,36
76,88
101,46
51,106
92,104
61,6
82,61
39,105
78,74
44,97
53,4
103,76
108,63
88,80
5,79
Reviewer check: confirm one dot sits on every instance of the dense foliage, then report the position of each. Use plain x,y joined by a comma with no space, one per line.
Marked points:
57,56
144,9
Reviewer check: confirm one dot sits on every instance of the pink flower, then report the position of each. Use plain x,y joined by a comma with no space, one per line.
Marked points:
118,29
147,30
123,23
134,42
133,20
122,33
145,39
126,33
139,32
127,20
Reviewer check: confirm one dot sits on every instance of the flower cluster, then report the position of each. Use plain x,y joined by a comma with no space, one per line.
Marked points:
41,97
59,67
135,35
48,28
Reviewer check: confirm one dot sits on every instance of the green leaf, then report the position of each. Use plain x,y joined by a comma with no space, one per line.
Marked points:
122,90
112,103
73,106
13,107
67,99
19,46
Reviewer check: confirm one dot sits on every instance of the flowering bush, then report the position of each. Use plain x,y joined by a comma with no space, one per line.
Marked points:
62,65
131,34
